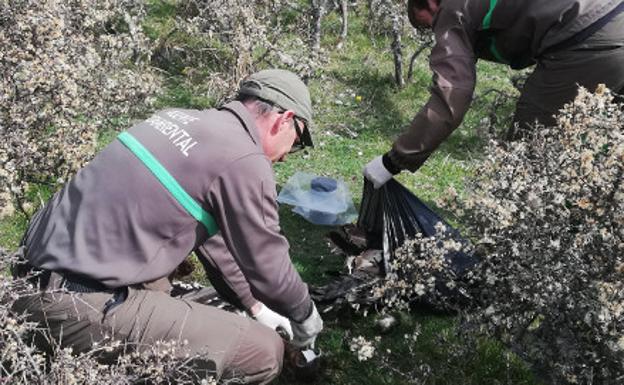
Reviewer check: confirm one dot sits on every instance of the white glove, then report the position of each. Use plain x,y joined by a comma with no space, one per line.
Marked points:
273,320
376,172
305,332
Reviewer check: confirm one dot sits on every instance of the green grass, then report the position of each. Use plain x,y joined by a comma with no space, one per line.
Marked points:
348,133
11,230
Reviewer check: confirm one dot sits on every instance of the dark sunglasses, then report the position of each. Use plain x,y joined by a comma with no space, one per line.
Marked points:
303,135
299,143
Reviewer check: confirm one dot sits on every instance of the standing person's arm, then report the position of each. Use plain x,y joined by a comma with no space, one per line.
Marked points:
453,64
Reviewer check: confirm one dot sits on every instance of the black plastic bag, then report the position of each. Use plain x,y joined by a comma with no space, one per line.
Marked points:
392,214
389,217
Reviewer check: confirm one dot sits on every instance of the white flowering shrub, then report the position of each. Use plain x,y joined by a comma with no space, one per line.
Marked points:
68,67
422,271
216,43
548,214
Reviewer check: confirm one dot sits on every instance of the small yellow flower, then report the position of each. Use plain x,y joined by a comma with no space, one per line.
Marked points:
358,98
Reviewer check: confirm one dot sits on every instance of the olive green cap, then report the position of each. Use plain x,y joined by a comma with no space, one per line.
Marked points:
284,89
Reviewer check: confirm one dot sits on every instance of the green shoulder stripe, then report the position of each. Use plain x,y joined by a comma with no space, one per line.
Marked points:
487,20
487,23
169,182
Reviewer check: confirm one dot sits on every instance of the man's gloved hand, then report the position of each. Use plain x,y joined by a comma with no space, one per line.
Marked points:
305,332
376,172
273,320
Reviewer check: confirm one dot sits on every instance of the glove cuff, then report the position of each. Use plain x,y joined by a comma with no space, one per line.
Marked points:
389,165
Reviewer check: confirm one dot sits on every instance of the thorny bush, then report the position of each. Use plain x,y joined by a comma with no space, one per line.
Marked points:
421,272
233,39
67,67
546,215
549,214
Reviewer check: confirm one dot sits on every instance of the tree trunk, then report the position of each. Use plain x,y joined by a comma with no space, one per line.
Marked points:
344,11
318,11
397,51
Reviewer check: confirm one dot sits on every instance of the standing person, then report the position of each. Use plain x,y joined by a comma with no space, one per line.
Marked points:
573,42
181,181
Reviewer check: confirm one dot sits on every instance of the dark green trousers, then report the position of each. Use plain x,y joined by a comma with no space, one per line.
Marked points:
228,346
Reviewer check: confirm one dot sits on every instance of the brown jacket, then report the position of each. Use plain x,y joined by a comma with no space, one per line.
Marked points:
514,32
115,223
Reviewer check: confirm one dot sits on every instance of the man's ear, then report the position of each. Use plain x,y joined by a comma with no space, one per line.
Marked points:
286,118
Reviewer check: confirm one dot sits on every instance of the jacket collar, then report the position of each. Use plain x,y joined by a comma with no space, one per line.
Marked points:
242,114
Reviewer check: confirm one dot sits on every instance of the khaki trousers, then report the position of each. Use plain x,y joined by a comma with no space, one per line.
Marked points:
229,346
555,80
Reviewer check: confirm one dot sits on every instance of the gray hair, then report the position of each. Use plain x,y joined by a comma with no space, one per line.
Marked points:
261,107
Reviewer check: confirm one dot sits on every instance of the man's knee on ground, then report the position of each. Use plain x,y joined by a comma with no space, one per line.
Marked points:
260,356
